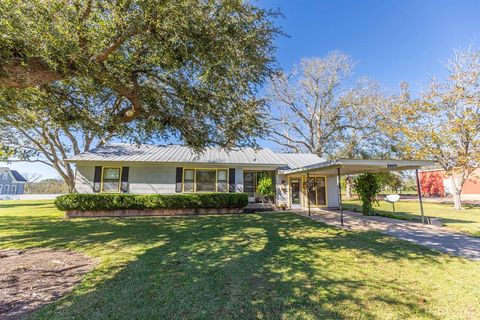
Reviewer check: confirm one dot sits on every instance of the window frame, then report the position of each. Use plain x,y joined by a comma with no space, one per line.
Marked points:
14,189
119,179
195,179
6,189
5,176
189,181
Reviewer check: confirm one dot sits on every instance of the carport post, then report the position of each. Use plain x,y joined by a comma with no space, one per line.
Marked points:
339,196
419,191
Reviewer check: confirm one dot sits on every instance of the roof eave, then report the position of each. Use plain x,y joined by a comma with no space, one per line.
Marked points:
391,165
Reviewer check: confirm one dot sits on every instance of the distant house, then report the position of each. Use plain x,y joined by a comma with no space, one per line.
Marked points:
300,180
435,183
11,181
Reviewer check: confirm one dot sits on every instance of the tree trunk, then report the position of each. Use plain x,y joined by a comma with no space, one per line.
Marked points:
348,187
70,181
456,191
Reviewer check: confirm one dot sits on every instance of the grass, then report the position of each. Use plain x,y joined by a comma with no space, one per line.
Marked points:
262,266
466,220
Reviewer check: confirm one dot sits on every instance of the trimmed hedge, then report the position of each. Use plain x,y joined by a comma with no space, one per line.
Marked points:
97,202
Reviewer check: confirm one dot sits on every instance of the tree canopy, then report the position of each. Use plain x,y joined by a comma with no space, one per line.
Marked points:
52,123
443,122
187,68
317,108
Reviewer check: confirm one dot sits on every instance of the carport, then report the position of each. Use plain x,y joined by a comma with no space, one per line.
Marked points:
341,167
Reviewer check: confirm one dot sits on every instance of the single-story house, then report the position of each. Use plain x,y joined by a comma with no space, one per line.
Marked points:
300,180
11,181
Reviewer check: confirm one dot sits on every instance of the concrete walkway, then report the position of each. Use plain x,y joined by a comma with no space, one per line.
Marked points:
437,238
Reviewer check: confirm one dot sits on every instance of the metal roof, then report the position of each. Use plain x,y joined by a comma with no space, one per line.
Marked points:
298,160
287,163
183,154
176,154
356,166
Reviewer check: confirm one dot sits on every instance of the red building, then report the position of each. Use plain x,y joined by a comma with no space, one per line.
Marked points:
435,183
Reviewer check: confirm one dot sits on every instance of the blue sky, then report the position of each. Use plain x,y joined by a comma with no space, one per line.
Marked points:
392,41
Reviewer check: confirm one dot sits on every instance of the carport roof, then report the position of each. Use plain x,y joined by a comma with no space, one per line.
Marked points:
358,166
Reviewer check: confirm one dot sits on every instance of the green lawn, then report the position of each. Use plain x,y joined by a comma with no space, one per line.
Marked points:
265,266
467,220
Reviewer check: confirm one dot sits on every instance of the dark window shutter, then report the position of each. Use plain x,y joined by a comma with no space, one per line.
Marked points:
231,180
124,186
178,179
97,178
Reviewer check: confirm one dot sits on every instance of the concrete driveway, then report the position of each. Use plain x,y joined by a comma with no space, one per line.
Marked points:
437,238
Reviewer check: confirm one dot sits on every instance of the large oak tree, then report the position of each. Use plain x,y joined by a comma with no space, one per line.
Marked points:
185,67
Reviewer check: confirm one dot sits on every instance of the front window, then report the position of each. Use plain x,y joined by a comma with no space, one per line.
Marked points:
5,175
222,185
6,189
14,189
111,180
206,180
189,180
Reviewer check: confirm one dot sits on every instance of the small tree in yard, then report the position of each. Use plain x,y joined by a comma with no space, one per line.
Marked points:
265,187
367,187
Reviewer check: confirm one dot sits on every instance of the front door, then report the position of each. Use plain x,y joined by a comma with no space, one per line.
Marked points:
295,196
249,185
316,193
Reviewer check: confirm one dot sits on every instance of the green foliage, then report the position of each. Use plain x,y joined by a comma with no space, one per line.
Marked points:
390,181
367,187
265,186
184,68
95,202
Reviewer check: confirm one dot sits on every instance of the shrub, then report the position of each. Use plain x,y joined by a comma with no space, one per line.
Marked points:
367,187
97,202
265,186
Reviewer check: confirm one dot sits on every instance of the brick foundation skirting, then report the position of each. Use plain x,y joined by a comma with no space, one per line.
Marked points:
152,212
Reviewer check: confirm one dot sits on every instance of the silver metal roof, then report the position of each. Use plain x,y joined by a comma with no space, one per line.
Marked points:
183,154
299,160
287,163
356,166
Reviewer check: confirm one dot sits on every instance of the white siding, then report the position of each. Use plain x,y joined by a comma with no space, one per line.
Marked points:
84,178
332,192
143,179
281,190
152,179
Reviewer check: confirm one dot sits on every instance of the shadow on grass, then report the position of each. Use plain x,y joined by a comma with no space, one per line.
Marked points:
237,267
16,204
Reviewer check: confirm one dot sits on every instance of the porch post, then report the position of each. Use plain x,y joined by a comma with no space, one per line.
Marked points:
339,196
308,193
419,192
